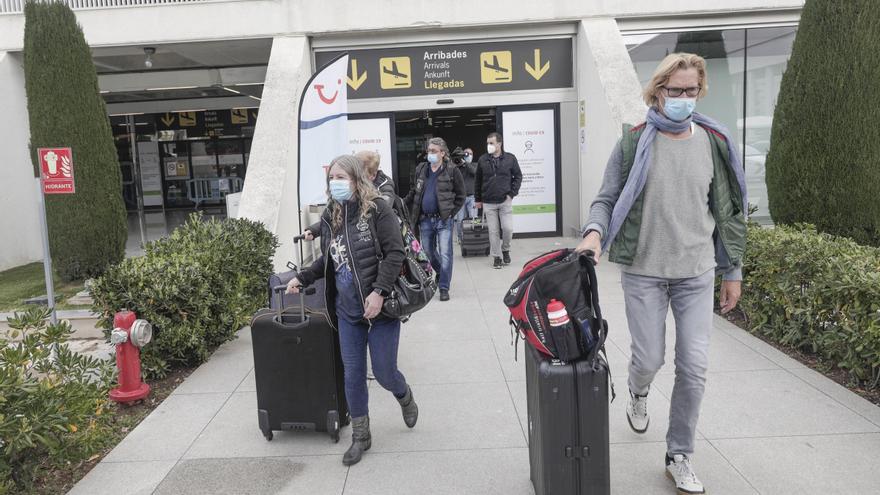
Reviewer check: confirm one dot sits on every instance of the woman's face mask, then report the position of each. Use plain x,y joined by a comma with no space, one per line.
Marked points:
433,158
340,189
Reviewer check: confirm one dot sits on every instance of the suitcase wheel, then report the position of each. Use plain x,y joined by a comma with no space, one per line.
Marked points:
268,434
333,425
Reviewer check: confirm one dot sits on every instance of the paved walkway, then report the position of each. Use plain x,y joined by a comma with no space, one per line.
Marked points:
769,425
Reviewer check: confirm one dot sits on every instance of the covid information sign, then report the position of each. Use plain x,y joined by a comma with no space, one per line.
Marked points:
531,136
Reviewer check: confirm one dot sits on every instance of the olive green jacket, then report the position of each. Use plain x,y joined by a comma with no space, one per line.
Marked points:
725,203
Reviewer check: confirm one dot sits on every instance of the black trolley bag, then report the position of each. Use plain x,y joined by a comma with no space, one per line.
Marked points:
298,368
474,236
568,418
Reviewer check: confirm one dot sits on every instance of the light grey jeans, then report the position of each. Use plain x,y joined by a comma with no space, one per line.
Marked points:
647,303
499,216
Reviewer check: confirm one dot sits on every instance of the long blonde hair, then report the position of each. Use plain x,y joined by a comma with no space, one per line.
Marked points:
363,189
667,67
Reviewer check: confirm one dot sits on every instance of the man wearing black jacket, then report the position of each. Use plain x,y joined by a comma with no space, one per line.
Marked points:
468,170
497,183
435,197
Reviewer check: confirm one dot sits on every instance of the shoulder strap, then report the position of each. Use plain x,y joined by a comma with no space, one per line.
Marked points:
374,234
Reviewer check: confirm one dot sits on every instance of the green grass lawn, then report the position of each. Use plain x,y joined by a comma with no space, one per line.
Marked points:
26,281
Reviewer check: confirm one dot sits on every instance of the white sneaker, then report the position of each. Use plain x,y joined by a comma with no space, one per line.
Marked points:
679,470
637,412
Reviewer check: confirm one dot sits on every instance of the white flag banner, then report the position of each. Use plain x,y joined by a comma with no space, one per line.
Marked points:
323,129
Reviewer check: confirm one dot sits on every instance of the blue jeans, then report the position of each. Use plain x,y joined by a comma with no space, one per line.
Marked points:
435,235
469,210
382,339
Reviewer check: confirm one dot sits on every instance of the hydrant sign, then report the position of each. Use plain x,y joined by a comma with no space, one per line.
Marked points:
56,165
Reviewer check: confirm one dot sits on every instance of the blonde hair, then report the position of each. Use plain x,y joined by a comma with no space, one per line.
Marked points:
370,160
363,189
674,62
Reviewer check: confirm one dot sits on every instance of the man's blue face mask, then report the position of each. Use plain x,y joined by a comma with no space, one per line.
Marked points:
679,108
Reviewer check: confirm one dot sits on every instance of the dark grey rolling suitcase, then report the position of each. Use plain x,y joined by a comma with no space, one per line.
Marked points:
298,369
568,425
474,237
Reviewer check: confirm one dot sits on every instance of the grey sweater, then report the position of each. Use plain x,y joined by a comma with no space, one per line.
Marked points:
677,225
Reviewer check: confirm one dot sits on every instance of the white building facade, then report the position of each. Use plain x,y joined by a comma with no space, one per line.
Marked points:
215,112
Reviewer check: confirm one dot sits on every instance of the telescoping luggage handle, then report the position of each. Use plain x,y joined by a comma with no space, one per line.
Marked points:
278,290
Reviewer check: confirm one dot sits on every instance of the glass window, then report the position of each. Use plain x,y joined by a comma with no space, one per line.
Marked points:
723,51
768,50
745,69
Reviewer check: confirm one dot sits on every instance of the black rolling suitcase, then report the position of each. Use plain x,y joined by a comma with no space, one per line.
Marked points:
298,370
568,425
474,237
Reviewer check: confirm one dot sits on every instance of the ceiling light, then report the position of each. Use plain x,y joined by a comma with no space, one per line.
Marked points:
149,52
171,88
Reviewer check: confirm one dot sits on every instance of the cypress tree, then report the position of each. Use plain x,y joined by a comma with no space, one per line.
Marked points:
88,229
824,162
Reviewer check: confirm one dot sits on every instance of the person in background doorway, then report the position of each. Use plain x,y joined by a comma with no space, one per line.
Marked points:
360,272
672,210
468,169
433,201
497,182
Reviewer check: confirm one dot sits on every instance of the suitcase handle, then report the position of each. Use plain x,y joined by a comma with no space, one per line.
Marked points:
280,289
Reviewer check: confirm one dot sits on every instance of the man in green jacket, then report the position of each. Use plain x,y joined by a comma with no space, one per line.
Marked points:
672,210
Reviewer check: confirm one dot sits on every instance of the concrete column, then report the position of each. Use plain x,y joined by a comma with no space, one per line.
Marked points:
609,87
19,224
270,191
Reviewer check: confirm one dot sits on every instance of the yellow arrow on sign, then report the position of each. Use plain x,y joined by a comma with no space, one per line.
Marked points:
534,70
168,119
358,80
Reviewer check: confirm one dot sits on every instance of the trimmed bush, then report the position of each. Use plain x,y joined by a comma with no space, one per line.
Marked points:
51,399
823,166
815,292
88,229
197,287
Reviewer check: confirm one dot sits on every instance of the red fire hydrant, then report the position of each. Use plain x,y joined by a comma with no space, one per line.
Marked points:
129,335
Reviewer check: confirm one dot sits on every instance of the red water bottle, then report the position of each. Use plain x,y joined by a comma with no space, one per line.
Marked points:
557,314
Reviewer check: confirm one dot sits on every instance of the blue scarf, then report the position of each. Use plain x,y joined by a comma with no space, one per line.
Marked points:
655,122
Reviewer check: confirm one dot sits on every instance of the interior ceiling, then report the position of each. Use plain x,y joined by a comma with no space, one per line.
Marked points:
183,56
231,91
178,56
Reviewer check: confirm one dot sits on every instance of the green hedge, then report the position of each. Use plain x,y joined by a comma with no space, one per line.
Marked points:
88,229
51,400
197,287
823,166
815,292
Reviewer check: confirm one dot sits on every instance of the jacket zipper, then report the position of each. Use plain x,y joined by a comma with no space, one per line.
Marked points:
577,430
326,313
353,267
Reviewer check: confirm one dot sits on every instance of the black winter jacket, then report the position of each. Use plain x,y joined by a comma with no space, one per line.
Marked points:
372,269
450,192
497,178
469,174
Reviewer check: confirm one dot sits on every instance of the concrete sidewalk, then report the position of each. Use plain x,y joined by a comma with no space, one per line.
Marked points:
769,425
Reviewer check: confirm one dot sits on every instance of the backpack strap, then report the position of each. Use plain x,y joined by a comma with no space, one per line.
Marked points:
374,234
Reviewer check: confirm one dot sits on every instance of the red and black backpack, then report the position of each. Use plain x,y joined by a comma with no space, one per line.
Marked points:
569,277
